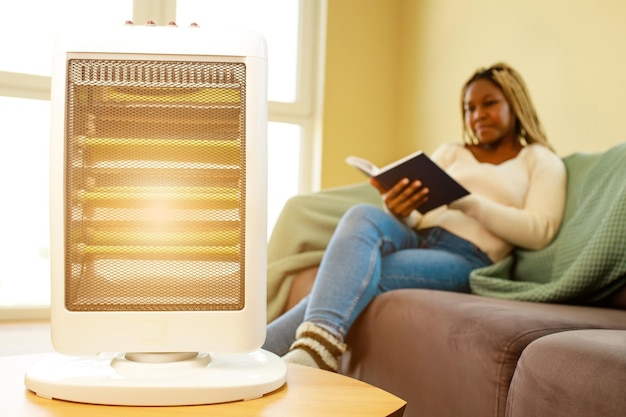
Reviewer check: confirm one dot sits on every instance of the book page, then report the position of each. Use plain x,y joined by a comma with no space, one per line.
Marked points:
363,165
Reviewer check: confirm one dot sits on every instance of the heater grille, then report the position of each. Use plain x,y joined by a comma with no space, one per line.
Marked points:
155,185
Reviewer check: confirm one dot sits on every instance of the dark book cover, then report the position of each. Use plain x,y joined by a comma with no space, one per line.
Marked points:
417,166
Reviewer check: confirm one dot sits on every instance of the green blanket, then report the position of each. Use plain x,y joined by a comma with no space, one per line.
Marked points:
587,259
585,262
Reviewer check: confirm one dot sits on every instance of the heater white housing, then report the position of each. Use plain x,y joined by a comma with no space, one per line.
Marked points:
158,218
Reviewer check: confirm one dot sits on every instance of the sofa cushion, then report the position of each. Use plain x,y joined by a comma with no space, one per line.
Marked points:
451,354
571,374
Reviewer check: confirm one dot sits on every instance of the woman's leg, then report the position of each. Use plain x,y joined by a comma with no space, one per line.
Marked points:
370,253
350,269
342,287
442,262
281,332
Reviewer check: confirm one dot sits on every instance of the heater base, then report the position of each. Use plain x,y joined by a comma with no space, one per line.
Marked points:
111,379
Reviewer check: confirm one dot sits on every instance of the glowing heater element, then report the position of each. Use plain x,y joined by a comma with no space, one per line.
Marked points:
158,218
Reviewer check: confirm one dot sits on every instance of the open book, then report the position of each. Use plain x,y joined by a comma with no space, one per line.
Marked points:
416,166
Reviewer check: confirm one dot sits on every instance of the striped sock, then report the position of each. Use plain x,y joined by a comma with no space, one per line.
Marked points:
315,347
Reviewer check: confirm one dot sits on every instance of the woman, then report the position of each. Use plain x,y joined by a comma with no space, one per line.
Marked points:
517,185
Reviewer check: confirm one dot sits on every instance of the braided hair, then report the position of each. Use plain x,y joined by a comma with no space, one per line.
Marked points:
528,127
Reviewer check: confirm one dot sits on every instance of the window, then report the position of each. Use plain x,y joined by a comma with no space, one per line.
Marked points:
24,241
32,54
292,30
279,29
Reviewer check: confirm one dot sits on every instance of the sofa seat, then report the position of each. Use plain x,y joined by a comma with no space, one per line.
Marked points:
452,354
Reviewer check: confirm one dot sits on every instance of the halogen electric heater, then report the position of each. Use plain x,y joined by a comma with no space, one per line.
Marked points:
158,218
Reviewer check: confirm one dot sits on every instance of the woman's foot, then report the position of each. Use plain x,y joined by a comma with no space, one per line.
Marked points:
315,347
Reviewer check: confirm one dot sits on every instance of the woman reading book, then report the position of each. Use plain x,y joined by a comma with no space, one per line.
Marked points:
517,195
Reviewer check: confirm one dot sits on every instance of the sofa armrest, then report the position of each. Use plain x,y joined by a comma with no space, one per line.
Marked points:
571,374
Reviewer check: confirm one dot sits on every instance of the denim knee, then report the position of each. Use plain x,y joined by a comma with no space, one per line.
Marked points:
364,211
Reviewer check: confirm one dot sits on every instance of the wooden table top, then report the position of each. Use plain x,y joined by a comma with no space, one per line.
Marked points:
308,392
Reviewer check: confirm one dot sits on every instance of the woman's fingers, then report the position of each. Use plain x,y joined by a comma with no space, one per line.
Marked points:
405,196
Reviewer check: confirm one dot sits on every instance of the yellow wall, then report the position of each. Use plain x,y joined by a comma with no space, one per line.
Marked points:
394,69
361,100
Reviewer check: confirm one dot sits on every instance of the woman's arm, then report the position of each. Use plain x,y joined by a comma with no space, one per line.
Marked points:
535,224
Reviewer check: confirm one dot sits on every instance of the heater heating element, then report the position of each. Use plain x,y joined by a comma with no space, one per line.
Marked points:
155,185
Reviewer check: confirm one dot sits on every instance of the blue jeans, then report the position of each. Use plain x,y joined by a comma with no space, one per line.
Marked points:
371,252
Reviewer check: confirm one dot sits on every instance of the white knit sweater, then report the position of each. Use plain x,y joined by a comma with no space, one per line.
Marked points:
519,202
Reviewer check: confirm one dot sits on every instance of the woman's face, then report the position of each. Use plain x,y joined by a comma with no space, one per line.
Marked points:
488,114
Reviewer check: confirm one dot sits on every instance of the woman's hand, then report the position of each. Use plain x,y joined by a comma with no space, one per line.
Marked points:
402,198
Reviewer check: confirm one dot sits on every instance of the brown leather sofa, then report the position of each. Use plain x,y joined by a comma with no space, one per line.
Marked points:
450,354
